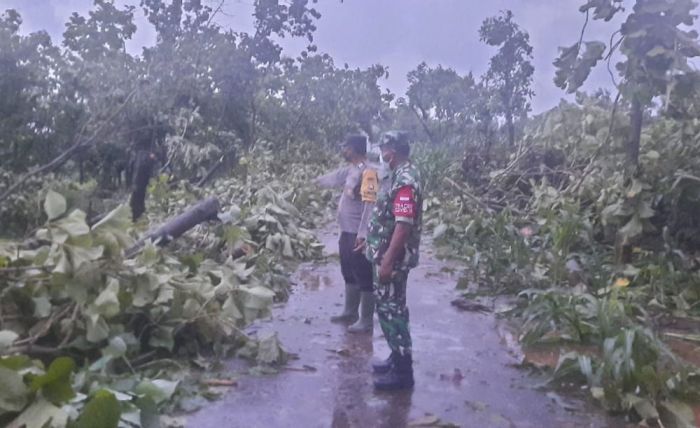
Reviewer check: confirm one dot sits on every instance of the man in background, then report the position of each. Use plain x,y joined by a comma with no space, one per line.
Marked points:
359,183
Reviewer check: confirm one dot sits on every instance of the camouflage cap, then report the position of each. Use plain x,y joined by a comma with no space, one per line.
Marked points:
394,138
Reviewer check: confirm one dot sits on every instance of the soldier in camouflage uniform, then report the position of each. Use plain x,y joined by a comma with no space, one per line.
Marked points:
393,242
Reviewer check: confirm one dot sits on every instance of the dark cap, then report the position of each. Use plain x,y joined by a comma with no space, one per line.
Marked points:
395,139
357,142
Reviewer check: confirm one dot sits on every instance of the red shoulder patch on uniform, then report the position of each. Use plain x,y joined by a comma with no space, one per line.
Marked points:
405,203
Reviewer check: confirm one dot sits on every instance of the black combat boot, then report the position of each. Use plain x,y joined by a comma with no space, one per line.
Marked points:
399,376
384,366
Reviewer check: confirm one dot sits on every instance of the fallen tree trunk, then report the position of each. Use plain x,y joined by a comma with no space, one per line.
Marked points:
205,210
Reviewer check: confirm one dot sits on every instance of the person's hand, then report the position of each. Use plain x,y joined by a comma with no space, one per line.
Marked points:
359,245
385,271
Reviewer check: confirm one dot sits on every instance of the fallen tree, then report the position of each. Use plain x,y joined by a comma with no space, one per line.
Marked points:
205,210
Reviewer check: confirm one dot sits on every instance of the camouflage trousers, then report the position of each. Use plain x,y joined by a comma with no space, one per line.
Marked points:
392,311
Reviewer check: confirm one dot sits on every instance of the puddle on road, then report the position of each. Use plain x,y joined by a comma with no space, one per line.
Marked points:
310,279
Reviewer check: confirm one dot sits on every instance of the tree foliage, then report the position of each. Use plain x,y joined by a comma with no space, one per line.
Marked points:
27,85
197,96
510,70
656,46
442,101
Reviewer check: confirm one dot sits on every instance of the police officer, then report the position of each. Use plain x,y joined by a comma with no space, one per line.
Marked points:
359,183
392,246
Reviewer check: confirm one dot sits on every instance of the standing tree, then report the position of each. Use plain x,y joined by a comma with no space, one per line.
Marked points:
321,102
655,47
98,84
510,70
484,120
442,100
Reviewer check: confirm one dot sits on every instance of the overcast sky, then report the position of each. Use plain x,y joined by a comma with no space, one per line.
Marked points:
396,33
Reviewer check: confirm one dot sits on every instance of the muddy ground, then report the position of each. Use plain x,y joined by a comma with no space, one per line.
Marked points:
466,374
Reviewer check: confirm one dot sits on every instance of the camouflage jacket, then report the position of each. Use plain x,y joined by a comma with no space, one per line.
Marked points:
383,221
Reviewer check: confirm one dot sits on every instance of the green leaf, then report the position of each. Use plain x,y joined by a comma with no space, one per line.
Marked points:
16,362
632,229
234,234
7,337
102,411
287,247
598,393
63,266
116,348
42,307
158,390
635,189
439,230
74,225
54,205
645,210
118,220
270,350
602,9
610,212
97,328
652,155
191,308
586,367
13,394
55,384
573,68
239,269
644,408
111,231
146,288
675,414
258,297
80,255
150,417
230,309
131,415
41,414
107,303
162,337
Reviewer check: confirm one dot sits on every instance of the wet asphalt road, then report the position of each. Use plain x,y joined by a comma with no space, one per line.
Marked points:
465,375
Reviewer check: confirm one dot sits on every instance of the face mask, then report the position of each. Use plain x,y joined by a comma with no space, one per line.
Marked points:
387,156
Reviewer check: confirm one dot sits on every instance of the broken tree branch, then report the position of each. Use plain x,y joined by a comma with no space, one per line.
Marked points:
473,198
219,163
67,154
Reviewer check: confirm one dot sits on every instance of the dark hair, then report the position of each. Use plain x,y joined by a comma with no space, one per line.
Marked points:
357,142
397,140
